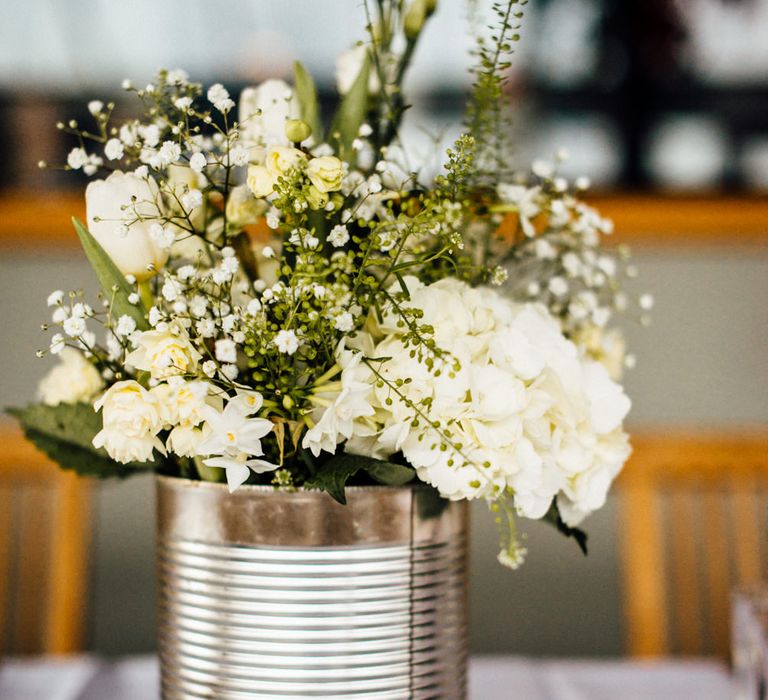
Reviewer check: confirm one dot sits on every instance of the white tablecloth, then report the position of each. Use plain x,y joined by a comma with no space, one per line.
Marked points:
491,678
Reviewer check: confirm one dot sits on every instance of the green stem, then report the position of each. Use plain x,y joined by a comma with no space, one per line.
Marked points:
145,292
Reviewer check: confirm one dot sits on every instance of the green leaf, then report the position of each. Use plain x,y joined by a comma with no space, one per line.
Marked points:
351,113
333,475
65,432
388,473
554,518
113,284
307,95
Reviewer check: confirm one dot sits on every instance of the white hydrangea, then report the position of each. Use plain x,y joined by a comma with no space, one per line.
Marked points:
514,408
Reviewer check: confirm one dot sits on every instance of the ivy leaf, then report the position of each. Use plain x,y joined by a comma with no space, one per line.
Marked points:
113,284
351,113
307,96
554,518
64,433
334,474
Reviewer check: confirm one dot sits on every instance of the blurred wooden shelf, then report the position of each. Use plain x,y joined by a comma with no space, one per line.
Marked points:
37,220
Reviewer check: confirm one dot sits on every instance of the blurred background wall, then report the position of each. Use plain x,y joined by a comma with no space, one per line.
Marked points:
667,101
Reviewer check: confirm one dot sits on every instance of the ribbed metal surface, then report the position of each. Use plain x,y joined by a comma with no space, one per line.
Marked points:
380,617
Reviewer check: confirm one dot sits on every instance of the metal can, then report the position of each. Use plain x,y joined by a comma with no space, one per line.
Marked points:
268,593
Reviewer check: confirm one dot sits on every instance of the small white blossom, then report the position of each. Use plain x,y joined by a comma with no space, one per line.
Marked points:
582,183
344,322
95,107
229,371
125,326
150,134
198,306
114,149
558,286
185,272
205,328
209,368
646,302
239,155
169,153
74,326
338,236
60,314
286,342
182,103
192,199
55,298
57,344
226,351
254,306
77,158
164,237
267,252
197,162
219,98
542,168
171,290
154,316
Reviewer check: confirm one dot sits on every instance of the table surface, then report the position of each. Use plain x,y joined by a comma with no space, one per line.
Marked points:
491,678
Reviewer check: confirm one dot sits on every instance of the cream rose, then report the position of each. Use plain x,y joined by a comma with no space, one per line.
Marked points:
113,207
164,353
259,181
281,160
325,173
131,420
72,380
242,208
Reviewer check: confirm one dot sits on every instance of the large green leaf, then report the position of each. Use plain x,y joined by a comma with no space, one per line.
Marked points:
113,283
307,95
334,474
65,432
351,113
554,518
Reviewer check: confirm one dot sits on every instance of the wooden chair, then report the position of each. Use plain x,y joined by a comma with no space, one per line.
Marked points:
44,531
693,521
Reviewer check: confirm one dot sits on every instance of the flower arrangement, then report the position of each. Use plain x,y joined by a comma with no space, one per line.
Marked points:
291,304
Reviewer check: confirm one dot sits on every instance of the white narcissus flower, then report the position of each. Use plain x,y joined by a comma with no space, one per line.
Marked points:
72,380
264,110
113,207
337,411
233,439
131,419
164,353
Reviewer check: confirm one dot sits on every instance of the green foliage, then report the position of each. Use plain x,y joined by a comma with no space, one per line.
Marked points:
65,432
307,96
339,469
486,116
113,283
553,517
351,114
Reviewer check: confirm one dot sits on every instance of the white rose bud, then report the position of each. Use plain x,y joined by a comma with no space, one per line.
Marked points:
72,380
111,206
325,173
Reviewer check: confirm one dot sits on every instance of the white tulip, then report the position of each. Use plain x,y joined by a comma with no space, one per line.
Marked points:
113,208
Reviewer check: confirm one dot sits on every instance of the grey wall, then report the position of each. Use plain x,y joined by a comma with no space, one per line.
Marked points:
703,361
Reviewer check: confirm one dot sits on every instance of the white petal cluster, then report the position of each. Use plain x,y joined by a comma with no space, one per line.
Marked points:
513,407
72,380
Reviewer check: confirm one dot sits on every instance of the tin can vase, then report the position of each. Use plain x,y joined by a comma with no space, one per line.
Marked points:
290,595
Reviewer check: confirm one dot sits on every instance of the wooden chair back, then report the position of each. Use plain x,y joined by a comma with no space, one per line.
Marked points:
44,533
693,511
